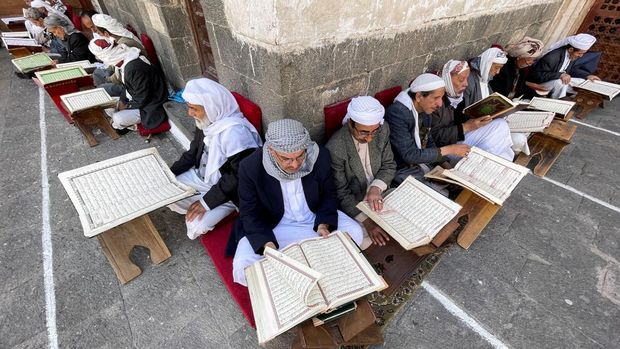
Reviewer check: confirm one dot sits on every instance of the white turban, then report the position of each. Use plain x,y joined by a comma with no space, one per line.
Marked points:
426,82
527,48
487,58
365,110
111,53
580,41
453,67
49,8
112,25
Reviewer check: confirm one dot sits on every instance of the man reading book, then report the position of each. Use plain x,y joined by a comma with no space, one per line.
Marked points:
410,126
286,194
510,81
363,163
492,135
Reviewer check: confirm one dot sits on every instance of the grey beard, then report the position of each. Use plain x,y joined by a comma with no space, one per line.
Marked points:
202,124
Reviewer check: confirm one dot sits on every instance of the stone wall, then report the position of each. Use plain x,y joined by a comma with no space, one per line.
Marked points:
295,73
167,23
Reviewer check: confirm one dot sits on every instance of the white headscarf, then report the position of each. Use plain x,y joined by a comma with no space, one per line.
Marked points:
423,83
111,53
580,41
487,58
49,8
527,48
453,67
223,112
112,25
365,110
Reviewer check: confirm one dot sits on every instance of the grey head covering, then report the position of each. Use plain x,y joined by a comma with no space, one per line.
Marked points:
54,20
288,136
33,13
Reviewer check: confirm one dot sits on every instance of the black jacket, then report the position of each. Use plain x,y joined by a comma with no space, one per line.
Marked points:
76,49
148,90
226,187
445,129
261,205
508,76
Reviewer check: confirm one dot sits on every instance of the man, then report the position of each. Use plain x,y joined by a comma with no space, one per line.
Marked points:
286,194
363,163
74,42
145,89
553,70
414,149
484,132
510,81
211,165
88,27
483,69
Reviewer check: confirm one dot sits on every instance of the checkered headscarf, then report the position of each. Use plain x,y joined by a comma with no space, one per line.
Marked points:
288,136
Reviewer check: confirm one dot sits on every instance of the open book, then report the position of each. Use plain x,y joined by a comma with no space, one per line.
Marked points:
11,42
306,279
24,34
32,62
86,64
494,105
485,174
60,74
553,105
604,88
79,101
413,213
529,121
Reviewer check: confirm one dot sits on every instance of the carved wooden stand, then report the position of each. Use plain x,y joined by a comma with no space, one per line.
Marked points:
118,242
586,102
357,328
86,120
547,146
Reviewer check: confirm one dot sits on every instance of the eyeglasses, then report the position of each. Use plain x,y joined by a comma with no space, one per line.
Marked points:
367,133
289,161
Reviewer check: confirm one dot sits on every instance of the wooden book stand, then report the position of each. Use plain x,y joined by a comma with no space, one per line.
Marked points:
87,120
19,52
357,328
586,102
547,145
118,242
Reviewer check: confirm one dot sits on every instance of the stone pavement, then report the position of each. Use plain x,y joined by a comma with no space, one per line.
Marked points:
544,274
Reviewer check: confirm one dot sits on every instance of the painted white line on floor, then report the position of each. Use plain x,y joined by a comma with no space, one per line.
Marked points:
455,310
580,193
46,234
595,127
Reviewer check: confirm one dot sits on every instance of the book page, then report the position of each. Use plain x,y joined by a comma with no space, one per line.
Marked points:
19,41
8,20
15,34
413,213
493,105
604,88
60,74
347,275
31,62
489,175
114,191
529,121
87,99
84,64
552,105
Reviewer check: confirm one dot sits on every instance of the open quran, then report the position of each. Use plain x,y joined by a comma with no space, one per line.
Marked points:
32,62
19,42
60,74
553,105
114,191
86,64
306,279
489,176
529,121
413,213
15,34
88,99
8,20
604,88
494,105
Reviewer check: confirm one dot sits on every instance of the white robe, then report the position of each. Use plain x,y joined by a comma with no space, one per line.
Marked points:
493,137
556,87
296,224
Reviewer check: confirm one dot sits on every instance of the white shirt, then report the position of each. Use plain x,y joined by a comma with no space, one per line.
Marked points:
295,206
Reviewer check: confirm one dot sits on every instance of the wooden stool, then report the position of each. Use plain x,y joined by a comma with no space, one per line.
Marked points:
357,328
86,120
118,242
547,145
586,102
19,52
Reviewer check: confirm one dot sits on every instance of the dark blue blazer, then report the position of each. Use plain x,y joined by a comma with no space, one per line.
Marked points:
261,206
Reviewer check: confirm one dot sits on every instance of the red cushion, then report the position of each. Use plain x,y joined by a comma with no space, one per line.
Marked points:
55,90
386,97
334,114
163,127
69,12
215,244
250,110
149,48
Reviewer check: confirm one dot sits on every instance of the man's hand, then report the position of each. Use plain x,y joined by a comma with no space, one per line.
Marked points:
270,245
121,106
323,230
474,124
565,78
375,233
195,211
374,199
460,150
593,78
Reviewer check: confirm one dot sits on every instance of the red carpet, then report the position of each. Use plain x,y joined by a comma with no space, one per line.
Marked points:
215,244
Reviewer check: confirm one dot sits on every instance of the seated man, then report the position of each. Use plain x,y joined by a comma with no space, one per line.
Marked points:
363,163
88,27
414,148
485,133
74,42
145,89
211,165
286,194
49,43
510,81
552,71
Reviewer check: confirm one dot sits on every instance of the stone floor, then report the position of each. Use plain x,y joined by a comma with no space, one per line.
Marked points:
544,274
